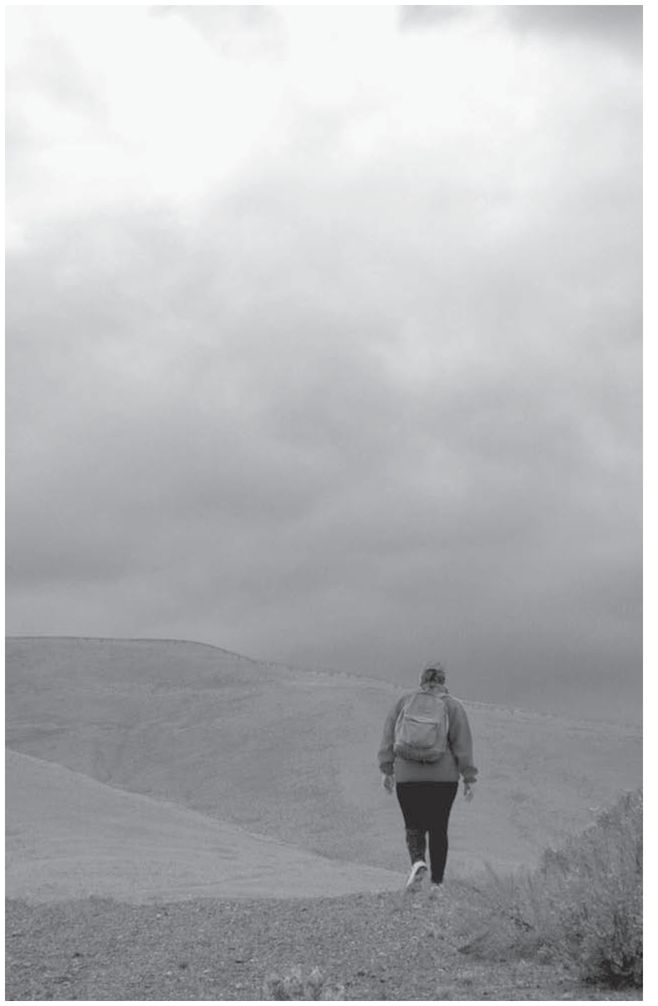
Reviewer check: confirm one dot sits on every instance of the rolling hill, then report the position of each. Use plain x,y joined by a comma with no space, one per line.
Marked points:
288,754
70,836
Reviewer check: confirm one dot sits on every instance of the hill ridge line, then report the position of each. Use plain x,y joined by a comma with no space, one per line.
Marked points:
139,639
334,673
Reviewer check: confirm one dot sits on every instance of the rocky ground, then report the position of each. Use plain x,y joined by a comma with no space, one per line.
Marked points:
370,947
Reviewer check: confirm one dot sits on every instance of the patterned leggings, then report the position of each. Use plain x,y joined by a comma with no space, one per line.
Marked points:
426,808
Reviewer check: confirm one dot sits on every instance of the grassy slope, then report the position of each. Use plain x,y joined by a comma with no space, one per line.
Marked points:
70,837
291,754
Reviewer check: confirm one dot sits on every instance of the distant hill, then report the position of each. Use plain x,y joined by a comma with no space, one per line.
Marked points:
291,754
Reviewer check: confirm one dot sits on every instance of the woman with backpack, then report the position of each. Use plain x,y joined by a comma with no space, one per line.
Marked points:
425,748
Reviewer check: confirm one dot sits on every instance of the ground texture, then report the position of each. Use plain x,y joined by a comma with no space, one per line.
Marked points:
391,946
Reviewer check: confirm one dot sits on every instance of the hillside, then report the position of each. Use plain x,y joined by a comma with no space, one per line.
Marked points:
290,754
70,836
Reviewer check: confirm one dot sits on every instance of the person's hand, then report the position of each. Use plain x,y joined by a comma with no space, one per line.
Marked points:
468,791
388,782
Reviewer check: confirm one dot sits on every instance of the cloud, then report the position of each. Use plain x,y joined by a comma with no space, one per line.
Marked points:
366,384
612,25
615,24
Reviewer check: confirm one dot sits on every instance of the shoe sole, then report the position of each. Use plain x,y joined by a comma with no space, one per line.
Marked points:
417,880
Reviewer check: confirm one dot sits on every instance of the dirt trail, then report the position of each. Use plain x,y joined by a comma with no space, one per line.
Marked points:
383,946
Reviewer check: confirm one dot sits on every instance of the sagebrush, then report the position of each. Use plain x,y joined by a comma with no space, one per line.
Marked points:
300,987
582,906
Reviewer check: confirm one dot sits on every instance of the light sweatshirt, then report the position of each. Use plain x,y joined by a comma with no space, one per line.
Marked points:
457,760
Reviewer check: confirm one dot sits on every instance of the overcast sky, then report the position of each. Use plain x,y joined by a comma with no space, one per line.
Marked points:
324,338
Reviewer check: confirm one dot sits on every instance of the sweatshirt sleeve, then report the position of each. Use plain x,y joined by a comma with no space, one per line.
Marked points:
385,756
461,741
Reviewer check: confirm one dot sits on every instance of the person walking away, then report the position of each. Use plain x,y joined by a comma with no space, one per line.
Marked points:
426,746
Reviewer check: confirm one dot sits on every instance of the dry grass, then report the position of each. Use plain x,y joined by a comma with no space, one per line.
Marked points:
301,987
157,718
582,906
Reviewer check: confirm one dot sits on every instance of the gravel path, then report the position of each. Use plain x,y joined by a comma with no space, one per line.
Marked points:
378,946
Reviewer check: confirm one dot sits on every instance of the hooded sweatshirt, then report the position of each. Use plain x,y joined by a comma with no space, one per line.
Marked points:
456,761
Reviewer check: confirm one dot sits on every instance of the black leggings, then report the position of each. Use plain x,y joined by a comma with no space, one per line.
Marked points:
426,808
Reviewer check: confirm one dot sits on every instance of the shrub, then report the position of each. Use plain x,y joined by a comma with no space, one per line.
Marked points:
299,987
582,906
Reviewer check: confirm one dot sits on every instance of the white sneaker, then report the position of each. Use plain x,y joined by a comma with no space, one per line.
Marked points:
418,872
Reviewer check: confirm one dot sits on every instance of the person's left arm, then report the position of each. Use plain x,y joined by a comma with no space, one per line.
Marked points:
385,756
461,741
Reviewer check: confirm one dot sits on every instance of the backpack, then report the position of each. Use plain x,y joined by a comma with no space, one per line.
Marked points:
421,729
